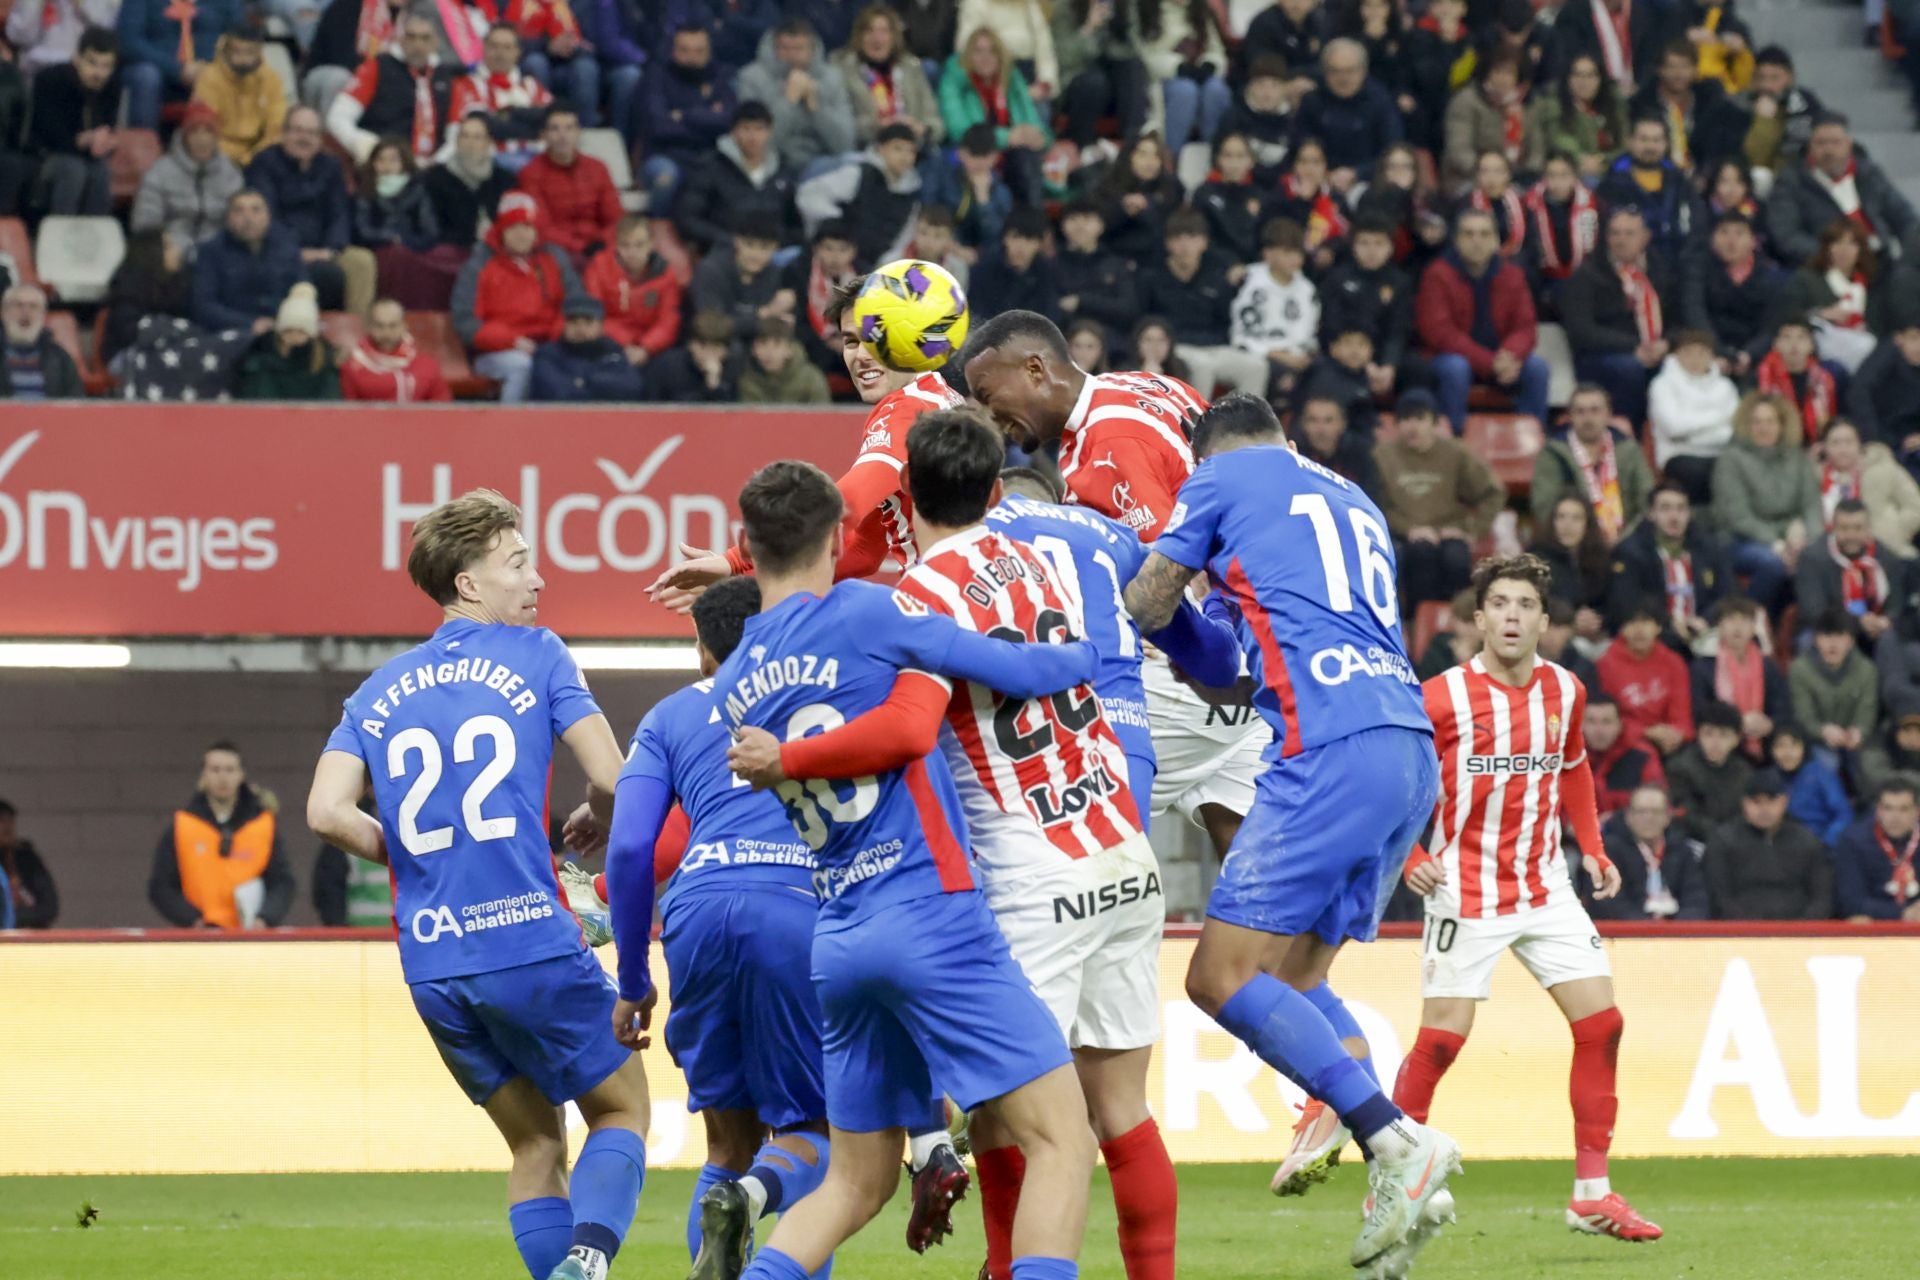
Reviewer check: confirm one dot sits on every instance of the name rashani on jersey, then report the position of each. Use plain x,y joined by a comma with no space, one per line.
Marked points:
457,734
1095,557
1038,779
1125,452
1502,751
1306,558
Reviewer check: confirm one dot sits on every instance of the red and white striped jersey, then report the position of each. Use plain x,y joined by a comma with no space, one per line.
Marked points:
1497,826
883,447
1125,452
1038,780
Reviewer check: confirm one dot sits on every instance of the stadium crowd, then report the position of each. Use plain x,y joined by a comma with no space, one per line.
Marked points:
1368,212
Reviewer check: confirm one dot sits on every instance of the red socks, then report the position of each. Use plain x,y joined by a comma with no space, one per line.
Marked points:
1146,1198
1001,1171
1433,1052
1596,1059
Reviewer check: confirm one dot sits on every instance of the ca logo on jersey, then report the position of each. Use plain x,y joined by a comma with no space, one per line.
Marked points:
429,923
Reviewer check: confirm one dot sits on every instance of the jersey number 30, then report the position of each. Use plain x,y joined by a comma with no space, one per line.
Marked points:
813,803
1369,540
465,739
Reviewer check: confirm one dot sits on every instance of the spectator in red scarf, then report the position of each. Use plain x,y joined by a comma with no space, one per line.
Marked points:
885,82
1836,182
1563,227
1662,876
1475,314
1489,115
509,297
1351,113
1742,674
1790,371
981,85
575,190
403,96
388,365
1876,874
1619,766
814,278
1615,308
1649,680
639,291
1493,193
1840,287
1848,571
1308,199
1730,190
512,102
1849,468
1592,460
1673,558
1729,290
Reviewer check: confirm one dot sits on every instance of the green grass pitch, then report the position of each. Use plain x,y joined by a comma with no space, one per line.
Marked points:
1731,1219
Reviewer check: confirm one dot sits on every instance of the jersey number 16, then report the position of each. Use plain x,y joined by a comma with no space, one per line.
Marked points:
1370,542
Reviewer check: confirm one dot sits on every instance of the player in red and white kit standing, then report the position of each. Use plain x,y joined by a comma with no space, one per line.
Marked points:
879,520
1124,452
1513,764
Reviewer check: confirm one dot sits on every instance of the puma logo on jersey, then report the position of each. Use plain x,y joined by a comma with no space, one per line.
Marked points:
1106,462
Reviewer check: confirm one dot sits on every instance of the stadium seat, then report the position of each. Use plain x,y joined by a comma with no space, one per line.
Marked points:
607,146
16,251
342,329
1429,620
1509,443
134,154
94,373
1192,165
433,330
77,256
66,332
1550,344
276,56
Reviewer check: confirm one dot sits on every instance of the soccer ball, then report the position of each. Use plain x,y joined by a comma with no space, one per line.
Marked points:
911,315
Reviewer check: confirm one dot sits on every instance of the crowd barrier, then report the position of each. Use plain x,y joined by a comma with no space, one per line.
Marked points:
147,1056
292,520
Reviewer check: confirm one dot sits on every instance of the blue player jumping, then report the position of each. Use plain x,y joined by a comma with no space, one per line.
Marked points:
458,736
1350,784
915,980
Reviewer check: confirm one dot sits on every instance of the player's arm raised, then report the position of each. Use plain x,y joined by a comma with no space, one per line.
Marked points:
333,807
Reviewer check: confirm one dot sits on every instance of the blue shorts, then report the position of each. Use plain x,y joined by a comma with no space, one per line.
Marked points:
550,1021
925,995
744,1024
1329,833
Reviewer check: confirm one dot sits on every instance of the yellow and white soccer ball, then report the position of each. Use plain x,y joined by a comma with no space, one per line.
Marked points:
911,315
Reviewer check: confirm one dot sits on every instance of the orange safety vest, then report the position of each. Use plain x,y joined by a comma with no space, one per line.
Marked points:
208,878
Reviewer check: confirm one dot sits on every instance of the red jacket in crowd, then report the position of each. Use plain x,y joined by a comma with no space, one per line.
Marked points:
1621,769
517,297
535,20
582,206
642,311
1656,689
404,375
1444,313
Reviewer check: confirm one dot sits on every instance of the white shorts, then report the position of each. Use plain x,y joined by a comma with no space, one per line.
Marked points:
1088,939
1557,943
1205,754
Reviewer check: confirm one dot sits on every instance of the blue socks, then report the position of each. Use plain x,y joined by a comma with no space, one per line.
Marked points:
1344,1025
786,1176
710,1176
542,1232
1037,1268
1291,1035
606,1188
771,1264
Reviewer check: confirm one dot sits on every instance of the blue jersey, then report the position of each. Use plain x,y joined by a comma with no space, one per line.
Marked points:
1306,557
1096,557
812,663
458,735
739,836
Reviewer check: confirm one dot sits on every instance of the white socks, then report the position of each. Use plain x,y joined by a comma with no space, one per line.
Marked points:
1591,1188
756,1195
1397,1142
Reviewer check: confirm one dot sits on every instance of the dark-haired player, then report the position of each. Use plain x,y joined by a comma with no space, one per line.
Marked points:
1513,766
1350,782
